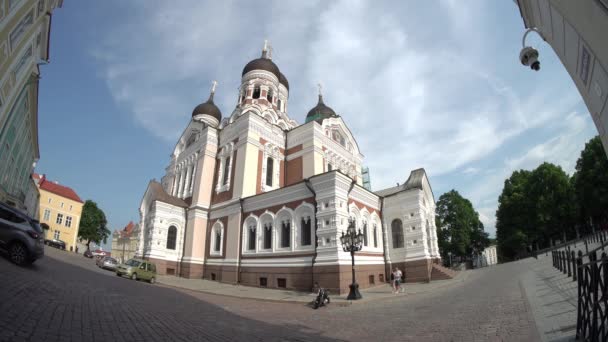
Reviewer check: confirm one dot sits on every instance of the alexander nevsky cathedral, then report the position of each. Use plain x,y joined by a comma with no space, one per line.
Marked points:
257,199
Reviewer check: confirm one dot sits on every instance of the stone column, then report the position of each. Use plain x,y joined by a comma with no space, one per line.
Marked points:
180,188
187,182
192,176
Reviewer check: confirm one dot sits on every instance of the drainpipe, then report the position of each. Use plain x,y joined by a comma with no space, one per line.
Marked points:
385,247
181,259
238,265
314,257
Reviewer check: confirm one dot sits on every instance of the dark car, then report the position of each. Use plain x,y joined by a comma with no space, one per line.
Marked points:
20,235
55,243
88,254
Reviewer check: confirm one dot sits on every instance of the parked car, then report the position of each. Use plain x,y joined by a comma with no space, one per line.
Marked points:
109,263
20,235
137,269
55,243
88,254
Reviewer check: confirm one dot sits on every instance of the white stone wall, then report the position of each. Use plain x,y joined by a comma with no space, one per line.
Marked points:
155,229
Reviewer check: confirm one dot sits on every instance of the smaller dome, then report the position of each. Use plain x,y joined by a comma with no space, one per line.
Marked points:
283,80
208,108
320,112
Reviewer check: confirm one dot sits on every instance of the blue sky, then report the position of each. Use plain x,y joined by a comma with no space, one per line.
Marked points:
430,84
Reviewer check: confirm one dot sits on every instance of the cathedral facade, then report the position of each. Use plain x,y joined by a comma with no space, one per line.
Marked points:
257,199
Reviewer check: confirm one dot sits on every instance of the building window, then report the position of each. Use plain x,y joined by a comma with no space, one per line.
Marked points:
61,205
397,233
59,218
375,236
70,207
57,235
306,235
281,282
226,169
365,234
49,201
68,221
280,104
268,236
286,234
263,281
269,170
269,95
47,215
415,242
218,240
329,167
251,238
413,227
171,237
256,92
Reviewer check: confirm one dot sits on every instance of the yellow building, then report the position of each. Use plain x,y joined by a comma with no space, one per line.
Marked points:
24,44
60,209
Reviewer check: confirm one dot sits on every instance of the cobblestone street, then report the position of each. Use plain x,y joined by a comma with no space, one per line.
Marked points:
65,297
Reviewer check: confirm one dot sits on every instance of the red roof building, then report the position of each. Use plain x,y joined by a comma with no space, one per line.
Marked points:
55,188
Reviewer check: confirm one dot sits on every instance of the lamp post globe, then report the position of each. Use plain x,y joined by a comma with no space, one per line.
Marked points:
352,242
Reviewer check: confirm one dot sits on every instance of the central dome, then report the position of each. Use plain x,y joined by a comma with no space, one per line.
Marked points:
262,63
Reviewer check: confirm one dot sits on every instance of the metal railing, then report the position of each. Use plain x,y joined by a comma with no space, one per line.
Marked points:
592,284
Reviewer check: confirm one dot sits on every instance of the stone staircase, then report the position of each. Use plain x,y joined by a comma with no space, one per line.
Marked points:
439,272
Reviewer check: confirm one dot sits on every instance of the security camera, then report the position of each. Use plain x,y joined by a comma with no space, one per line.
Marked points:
529,57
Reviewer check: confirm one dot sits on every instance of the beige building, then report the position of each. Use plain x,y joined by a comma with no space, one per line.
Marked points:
124,242
576,30
60,209
24,44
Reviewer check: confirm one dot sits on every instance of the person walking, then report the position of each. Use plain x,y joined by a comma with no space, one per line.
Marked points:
397,282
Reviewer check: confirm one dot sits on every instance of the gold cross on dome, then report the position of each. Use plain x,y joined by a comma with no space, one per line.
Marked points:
213,85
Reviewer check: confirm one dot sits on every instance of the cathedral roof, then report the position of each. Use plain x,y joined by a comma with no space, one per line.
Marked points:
159,194
413,182
283,80
208,108
263,63
320,112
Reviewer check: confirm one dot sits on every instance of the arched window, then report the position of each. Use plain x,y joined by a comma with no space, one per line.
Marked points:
269,170
365,234
279,104
251,238
375,236
285,234
226,171
171,237
268,235
269,95
397,233
256,92
305,231
217,246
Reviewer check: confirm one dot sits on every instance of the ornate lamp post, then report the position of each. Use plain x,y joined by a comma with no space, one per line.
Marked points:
352,242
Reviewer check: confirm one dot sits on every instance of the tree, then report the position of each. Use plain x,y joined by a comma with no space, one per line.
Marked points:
590,183
460,231
93,224
534,208
513,217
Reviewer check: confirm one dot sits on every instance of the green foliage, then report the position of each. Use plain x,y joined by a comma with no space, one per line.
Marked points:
590,183
459,229
534,208
93,224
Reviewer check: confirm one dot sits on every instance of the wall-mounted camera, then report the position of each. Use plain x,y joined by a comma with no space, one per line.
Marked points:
529,57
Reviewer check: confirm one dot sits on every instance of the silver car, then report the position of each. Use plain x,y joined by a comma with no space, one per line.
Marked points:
109,263
20,235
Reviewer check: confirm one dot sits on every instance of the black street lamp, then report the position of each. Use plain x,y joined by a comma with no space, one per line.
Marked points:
352,242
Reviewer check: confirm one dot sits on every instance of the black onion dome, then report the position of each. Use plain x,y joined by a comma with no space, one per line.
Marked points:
283,80
320,112
262,64
208,108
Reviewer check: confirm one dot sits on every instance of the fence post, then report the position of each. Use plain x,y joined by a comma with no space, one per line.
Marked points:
594,285
568,262
565,270
580,283
574,268
586,247
553,257
559,260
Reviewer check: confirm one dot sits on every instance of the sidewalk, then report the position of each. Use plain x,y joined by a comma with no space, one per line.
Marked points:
286,296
